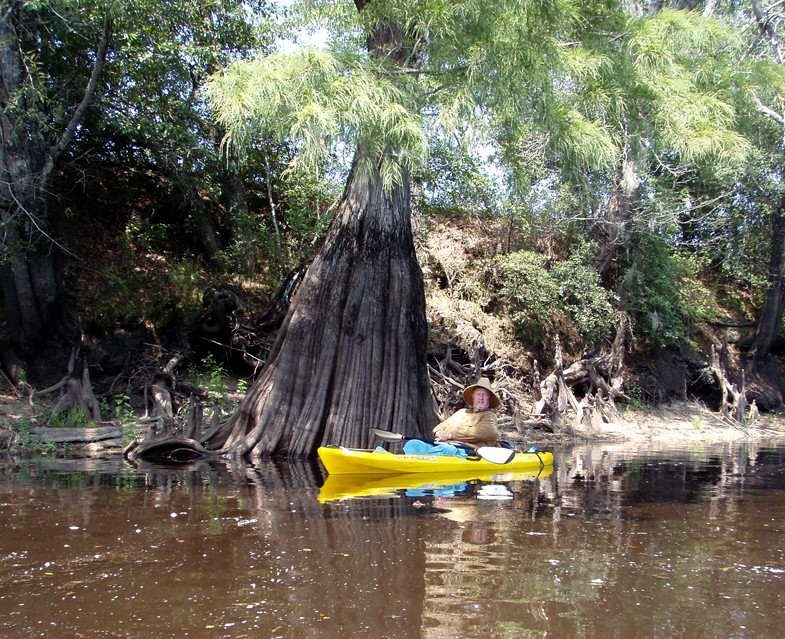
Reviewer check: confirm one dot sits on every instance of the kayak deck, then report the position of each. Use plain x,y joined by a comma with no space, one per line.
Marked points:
351,461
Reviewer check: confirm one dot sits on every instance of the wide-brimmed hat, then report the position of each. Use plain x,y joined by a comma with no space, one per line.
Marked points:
485,383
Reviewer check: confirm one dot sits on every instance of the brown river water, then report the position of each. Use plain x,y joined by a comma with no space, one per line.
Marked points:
615,541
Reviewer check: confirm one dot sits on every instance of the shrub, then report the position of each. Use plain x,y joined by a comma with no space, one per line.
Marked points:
542,298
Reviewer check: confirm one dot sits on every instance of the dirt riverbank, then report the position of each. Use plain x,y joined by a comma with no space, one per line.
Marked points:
674,423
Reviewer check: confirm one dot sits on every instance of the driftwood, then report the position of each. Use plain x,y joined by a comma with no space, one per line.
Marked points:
75,441
734,406
160,405
601,380
76,435
169,449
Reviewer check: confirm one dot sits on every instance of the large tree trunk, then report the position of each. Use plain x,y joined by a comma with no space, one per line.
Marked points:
351,354
771,315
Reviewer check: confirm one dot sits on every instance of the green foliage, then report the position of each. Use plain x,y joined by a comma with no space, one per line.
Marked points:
162,294
635,397
584,299
258,250
69,418
555,93
117,407
22,439
541,297
212,377
164,52
663,292
317,98
25,441
457,178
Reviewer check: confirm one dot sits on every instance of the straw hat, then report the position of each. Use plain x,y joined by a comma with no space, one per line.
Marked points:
485,383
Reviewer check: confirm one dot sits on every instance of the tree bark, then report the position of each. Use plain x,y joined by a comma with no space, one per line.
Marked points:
614,230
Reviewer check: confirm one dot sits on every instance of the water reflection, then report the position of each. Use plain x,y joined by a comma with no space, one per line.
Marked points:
664,543
449,484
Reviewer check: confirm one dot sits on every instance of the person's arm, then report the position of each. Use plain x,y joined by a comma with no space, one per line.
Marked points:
442,432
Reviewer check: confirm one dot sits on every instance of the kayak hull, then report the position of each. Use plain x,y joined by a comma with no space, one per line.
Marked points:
350,486
351,461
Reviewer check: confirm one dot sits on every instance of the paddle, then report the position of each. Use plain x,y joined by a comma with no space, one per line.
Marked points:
488,453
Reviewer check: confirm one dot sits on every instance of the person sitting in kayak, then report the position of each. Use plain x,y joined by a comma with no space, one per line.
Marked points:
476,424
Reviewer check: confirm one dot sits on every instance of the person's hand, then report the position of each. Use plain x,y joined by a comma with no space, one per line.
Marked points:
442,436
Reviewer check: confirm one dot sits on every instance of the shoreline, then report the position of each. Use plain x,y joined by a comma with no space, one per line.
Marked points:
677,423
674,423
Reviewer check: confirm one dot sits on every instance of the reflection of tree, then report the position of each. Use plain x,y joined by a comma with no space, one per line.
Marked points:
216,546
359,568
615,543
651,538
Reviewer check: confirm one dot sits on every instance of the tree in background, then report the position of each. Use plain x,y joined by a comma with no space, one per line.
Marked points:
153,116
765,184
52,58
88,85
351,352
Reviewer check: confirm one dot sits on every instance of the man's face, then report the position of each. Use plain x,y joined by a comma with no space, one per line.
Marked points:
481,399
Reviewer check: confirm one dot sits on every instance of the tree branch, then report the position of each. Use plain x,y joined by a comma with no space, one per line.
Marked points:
766,26
70,130
770,113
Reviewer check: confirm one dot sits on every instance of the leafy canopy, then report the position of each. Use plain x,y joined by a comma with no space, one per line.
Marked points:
468,68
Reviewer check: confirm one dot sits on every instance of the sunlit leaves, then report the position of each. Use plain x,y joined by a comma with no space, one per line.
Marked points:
682,61
543,297
319,99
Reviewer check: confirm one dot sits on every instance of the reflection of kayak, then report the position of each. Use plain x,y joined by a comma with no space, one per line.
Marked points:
346,486
345,461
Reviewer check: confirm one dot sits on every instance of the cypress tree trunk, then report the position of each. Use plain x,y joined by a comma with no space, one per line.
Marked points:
351,354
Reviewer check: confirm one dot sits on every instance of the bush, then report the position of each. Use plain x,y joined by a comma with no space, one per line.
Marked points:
542,298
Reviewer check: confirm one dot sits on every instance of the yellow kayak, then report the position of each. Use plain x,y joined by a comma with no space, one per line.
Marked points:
348,486
351,461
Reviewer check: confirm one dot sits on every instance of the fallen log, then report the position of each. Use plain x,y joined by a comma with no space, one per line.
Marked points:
75,435
535,424
177,449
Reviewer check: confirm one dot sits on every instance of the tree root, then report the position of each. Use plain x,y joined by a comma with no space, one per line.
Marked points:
601,379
